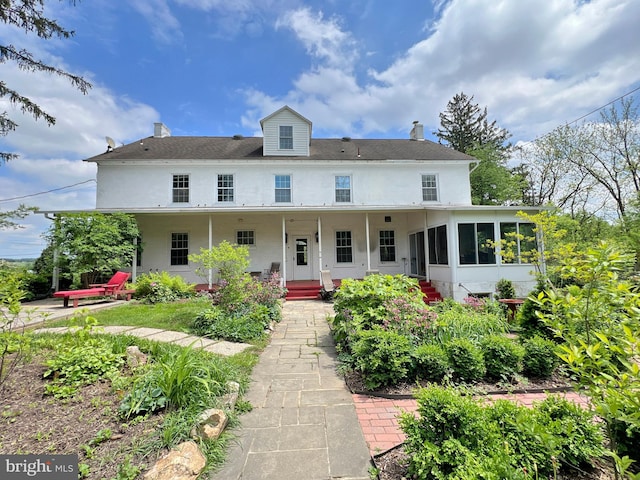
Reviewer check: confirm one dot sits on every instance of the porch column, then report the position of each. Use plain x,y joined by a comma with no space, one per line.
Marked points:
320,250
368,242
56,271
426,245
283,270
134,263
210,247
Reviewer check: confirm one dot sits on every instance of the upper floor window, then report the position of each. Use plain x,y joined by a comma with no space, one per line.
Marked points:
179,249
245,237
344,247
283,188
343,188
387,246
225,188
438,250
429,188
518,242
286,137
180,189
475,243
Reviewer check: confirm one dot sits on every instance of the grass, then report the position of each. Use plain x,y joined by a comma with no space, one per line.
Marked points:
176,316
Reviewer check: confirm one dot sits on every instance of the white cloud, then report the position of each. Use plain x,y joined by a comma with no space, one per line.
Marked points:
164,25
323,38
534,64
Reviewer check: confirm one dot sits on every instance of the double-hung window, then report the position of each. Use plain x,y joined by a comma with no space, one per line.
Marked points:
475,243
225,188
283,188
438,250
180,190
179,249
517,242
343,188
286,137
344,247
245,237
387,246
429,188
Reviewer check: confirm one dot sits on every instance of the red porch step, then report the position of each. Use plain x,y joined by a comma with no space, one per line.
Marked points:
303,290
431,294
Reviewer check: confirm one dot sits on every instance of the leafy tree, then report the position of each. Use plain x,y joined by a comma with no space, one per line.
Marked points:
28,15
94,244
492,182
594,166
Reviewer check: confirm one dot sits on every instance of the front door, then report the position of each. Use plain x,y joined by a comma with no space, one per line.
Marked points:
417,254
302,258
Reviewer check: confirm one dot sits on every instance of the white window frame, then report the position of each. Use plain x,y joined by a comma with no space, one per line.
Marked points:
285,141
249,235
281,189
342,191
172,248
226,189
178,189
392,246
430,190
349,247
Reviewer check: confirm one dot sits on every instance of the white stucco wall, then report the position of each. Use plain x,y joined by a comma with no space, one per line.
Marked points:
137,184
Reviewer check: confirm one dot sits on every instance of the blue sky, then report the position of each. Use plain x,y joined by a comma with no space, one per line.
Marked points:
354,68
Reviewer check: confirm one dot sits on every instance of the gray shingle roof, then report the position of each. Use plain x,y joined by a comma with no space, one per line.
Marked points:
250,148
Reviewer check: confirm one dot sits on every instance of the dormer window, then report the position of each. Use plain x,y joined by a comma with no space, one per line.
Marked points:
286,137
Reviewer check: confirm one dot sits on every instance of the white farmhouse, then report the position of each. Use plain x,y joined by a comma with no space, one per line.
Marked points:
346,205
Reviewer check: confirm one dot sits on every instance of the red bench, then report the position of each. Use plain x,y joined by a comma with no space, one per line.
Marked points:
114,288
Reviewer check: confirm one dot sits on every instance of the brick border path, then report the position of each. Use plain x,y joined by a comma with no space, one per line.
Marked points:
378,417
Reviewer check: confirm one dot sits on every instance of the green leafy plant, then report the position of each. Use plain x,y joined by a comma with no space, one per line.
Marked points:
466,360
431,362
145,397
245,324
540,359
502,357
383,357
80,364
161,287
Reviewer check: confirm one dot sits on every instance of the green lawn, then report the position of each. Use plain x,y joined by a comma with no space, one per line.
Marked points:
176,316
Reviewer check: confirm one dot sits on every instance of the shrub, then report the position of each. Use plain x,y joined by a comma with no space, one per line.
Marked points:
245,324
466,360
360,304
431,362
540,359
504,289
528,318
579,438
383,357
502,357
410,318
162,287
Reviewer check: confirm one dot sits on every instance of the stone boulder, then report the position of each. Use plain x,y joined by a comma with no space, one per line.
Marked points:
185,462
210,424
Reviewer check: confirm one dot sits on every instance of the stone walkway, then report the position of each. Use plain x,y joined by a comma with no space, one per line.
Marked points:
303,425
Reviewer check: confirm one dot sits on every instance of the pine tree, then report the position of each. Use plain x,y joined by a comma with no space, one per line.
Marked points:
465,127
28,15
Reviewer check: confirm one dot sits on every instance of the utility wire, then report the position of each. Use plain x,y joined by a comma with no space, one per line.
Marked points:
48,191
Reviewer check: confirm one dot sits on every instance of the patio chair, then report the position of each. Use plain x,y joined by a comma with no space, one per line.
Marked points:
273,270
328,287
113,288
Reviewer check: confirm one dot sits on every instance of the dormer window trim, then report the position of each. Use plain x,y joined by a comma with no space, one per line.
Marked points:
285,140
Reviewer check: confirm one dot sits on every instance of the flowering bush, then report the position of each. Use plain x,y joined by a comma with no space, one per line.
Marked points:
415,321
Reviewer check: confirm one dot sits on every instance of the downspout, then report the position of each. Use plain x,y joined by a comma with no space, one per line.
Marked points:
210,247
55,275
319,249
283,277
368,242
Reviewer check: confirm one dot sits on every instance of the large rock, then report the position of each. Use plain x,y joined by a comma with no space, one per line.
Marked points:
135,357
185,462
210,425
